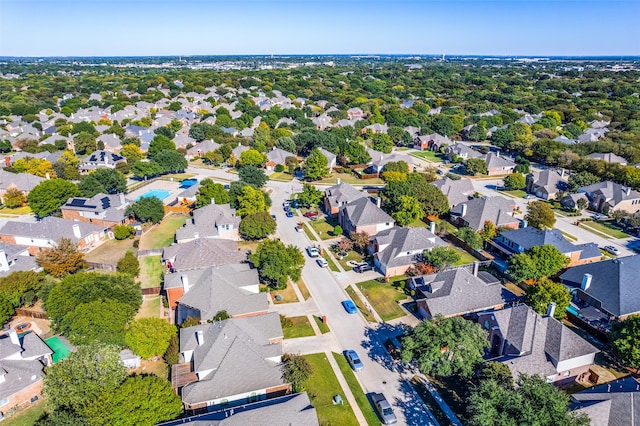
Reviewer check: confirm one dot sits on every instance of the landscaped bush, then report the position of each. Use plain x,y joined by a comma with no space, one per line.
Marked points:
279,168
122,232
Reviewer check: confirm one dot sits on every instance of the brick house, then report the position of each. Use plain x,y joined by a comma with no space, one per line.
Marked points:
339,195
475,212
362,215
101,209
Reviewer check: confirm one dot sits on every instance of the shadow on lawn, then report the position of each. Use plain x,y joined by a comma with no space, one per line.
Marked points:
375,345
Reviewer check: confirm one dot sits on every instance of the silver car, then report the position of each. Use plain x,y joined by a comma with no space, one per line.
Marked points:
354,360
384,409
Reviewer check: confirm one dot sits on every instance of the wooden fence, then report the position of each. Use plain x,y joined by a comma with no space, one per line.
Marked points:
150,252
151,291
31,313
103,266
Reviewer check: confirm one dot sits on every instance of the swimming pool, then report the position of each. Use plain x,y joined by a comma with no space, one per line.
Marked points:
158,193
60,350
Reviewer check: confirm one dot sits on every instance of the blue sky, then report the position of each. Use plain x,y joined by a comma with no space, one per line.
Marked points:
215,27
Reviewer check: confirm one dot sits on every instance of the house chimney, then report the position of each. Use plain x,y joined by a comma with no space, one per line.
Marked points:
463,212
498,153
432,226
239,143
122,200
551,310
586,281
185,282
213,200
13,335
200,337
523,223
628,191
378,202
476,266
76,231
562,173
196,235
4,262
338,181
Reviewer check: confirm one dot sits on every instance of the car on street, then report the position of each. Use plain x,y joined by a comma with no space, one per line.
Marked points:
349,306
313,252
295,204
354,360
529,197
273,216
611,250
598,216
289,213
363,267
285,203
322,262
384,410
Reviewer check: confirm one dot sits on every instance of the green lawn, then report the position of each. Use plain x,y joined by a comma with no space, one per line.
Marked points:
365,312
321,387
324,328
163,234
351,255
288,295
303,289
151,271
383,297
27,417
16,211
323,228
350,179
517,193
604,228
465,258
280,177
150,308
307,231
356,390
301,327
428,155
440,224
332,264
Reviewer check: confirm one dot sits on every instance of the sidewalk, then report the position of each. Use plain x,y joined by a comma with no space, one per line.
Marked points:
346,389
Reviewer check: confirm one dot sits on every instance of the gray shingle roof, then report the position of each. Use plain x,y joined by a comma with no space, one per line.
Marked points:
399,241
206,221
113,205
23,181
612,192
614,283
611,404
342,194
479,210
495,161
202,253
50,228
362,212
609,157
278,155
532,237
203,147
456,191
550,180
19,364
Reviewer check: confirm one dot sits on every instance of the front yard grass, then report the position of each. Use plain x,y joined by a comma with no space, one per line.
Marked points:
303,289
150,307
322,386
324,328
352,255
428,155
384,297
332,264
323,228
604,228
151,271
359,395
163,234
300,327
288,295
281,177
110,251
17,211
517,193
307,230
358,302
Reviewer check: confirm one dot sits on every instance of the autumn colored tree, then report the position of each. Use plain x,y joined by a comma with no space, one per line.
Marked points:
62,259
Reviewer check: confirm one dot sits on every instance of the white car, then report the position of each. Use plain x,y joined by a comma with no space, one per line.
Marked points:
611,250
322,262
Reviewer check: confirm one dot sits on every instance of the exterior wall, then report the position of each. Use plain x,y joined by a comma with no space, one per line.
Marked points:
383,226
78,215
569,376
574,259
574,363
499,171
23,396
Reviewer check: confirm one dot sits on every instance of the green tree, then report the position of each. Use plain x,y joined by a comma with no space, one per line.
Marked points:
257,226
210,190
537,262
381,142
440,257
360,240
253,176
532,402
172,355
122,232
409,210
84,143
624,339
540,215
79,380
515,181
476,166
14,198
582,204
285,143
149,337
47,196
277,262
252,157
171,161
446,346
488,231
158,144
250,201
132,153
316,165
62,259
147,209
295,370
580,179
145,169
141,400
310,196
498,372
397,166
105,181
97,321
477,133
471,237
129,264
18,289
545,291
337,230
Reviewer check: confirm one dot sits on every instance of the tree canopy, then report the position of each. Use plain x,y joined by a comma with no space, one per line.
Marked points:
149,337
545,291
277,262
316,165
62,259
624,338
47,196
540,215
147,209
257,226
537,262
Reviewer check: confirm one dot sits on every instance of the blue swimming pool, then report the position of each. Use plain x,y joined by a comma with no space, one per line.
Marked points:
158,193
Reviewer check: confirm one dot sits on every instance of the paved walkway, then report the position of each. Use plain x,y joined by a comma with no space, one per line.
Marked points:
443,405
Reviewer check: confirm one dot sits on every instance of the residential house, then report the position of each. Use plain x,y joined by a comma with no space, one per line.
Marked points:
434,142
570,201
414,132
201,253
135,131
497,165
529,343
456,191
111,142
277,156
340,195
394,250
475,212
104,210
100,159
231,362
292,410
25,182
592,135
461,151
379,159
202,293
355,113
238,150
15,258
610,286
362,215
546,184
459,292
610,404
609,196
210,221
22,360
331,159
376,128
565,140
322,121
47,233
201,148
608,157
529,119
520,240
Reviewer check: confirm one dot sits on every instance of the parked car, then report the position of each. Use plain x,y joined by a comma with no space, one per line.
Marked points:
363,267
313,252
349,306
354,360
295,204
598,216
529,197
285,203
611,250
273,216
322,262
289,213
311,214
299,227
384,409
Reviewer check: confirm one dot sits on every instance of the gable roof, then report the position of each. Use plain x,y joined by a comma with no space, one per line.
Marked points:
203,147
610,404
479,210
394,243
609,157
50,228
363,212
23,181
614,283
202,253
613,192
206,220
278,156
530,237
550,180
456,191
113,205
342,193
496,161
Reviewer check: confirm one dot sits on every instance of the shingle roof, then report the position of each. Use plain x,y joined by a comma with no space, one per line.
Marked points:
206,221
342,193
331,157
23,181
362,212
203,147
403,240
532,237
479,210
608,157
614,283
202,253
495,161
50,228
278,155
19,375
111,204
550,180
456,191
611,404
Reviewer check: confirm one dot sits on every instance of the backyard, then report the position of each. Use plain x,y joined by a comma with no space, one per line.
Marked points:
110,251
151,271
28,416
150,307
322,386
163,234
384,297
297,327
465,258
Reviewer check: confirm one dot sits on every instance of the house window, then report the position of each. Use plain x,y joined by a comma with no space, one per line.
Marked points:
387,223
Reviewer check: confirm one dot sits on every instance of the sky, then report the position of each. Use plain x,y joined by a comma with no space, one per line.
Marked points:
280,27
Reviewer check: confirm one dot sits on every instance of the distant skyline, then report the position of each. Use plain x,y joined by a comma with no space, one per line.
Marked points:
281,27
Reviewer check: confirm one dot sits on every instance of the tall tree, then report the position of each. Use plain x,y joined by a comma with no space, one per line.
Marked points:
97,321
295,370
149,337
13,198
316,165
476,166
515,181
62,259
252,157
440,257
471,237
209,190
47,197
277,262
158,144
147,209
250,201
253,176
129,264
257,226
624,338
310,196
409,210
540,215
171,161
545,291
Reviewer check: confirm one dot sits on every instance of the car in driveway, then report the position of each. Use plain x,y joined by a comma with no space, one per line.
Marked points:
384,410
611,250
322,262
349,306
354,360
363,267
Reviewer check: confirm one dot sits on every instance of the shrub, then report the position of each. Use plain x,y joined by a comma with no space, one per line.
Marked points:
279,168
122,232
